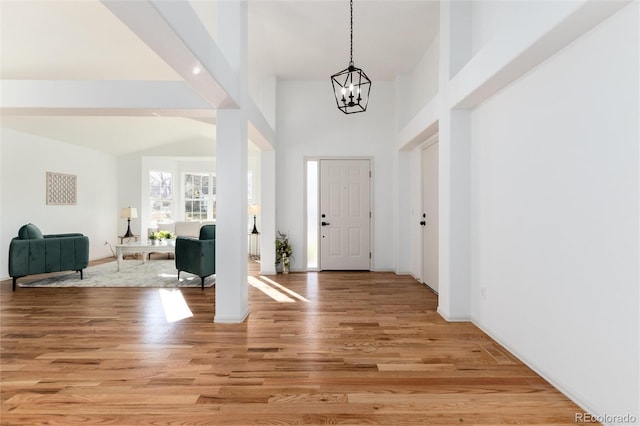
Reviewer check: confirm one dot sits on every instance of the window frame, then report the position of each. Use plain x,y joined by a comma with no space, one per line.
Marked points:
210,198
168,201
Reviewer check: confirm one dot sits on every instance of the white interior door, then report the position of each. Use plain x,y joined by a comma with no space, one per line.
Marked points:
429,219
345,215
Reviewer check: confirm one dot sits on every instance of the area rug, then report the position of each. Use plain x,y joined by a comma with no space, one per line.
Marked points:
133,273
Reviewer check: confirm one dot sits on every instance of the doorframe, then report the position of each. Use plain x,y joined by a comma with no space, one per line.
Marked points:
432,140
305,229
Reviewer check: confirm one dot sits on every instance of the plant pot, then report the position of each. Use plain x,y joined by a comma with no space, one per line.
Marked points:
285,263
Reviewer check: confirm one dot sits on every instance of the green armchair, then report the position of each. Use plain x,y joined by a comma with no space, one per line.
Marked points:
33,253
197,256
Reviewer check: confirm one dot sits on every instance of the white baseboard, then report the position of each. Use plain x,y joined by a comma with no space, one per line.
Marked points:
572,395
268,271
419,279
461,318
231,319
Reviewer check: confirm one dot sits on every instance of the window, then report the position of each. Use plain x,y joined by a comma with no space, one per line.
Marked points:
312,214
199,196
250,187
160,195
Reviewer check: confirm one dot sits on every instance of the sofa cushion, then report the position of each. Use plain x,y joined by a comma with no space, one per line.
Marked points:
183,228
188,229
166,226
30,232
208,232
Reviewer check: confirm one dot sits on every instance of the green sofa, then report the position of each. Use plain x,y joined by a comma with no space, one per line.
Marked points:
33,253
197,256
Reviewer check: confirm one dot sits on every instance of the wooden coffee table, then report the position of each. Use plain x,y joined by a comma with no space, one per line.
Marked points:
144,247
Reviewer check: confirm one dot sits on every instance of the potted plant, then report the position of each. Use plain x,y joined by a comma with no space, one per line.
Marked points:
154,237
158,236
284,253
166,235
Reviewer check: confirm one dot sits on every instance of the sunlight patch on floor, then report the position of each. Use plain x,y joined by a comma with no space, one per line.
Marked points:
166,275
175,275
174,305
273,293
283,288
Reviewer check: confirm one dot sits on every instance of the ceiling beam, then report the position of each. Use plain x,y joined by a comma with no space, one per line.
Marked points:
422,126
174,31
506,59
107,98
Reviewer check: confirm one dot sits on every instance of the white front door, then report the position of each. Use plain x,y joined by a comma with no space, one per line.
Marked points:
429,219
345,215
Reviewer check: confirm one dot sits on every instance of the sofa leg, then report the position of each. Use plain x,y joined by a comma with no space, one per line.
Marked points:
202,282
178,274
14,283
80,273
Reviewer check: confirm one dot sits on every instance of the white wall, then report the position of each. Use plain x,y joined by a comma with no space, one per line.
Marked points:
493,18
264,95
418,87
129,177
25,160
254,165
310,124
555,213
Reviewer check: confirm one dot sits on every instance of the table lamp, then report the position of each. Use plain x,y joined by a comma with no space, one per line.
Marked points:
254,209
128,213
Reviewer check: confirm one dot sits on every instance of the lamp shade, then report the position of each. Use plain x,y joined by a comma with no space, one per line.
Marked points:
254,209
129,212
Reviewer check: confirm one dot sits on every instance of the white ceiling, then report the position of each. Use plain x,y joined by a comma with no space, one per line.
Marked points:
289,39
310,39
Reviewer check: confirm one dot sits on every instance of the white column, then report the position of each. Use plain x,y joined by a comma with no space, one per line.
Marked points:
268,212
454,171
232,293
232,297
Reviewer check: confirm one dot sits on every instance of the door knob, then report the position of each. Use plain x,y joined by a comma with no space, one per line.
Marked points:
323,223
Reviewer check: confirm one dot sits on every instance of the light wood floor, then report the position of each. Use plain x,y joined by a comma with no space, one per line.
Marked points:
335,348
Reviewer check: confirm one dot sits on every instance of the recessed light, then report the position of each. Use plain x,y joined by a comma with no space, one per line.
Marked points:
196,70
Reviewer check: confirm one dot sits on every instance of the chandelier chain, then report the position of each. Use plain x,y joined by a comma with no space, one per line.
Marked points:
351,34
351,86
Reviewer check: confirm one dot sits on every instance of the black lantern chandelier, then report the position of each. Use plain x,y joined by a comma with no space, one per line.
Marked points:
351,86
